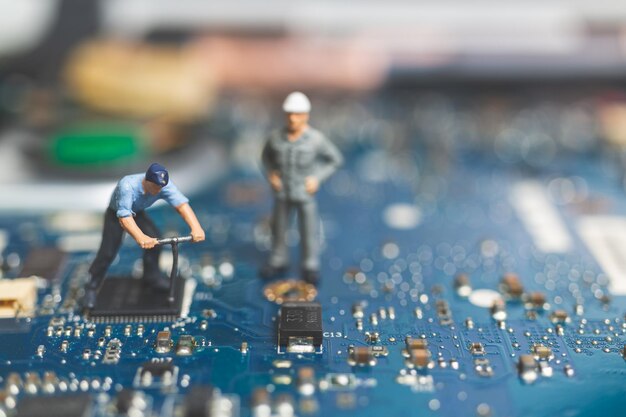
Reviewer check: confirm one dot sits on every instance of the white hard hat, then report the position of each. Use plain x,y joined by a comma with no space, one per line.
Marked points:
297,102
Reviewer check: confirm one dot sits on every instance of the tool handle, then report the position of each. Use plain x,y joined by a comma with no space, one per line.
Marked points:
177,239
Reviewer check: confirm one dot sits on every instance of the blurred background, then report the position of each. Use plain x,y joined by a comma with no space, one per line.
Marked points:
93,90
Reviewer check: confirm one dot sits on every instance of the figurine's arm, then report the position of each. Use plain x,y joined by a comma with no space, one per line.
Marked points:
143,240
271,169
330,159
188,215
267,158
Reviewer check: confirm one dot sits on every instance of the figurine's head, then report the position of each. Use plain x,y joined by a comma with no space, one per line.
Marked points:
157,177
297,107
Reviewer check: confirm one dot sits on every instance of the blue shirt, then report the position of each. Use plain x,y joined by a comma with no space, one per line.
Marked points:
130,198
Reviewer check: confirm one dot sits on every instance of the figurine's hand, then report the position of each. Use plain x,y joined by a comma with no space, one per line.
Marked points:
197,235
147,242
275,181
311,185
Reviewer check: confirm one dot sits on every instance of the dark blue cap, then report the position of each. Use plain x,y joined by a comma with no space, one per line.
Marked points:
157,174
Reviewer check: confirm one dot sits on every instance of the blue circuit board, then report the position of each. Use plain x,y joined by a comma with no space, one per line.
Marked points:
461,275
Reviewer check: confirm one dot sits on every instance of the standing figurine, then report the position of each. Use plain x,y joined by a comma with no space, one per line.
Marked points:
133,194
297,159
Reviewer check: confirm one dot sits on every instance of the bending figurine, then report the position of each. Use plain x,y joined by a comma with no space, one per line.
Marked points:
132,195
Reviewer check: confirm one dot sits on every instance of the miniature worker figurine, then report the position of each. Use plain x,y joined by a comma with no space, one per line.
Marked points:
297,159
133,194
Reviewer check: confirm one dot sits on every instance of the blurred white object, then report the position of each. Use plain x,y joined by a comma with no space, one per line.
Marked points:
24,23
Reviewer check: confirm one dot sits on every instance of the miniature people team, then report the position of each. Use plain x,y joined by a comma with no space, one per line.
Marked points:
297,159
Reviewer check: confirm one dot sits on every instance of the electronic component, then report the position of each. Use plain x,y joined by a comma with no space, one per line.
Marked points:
78,405
417,381
372,337
130,402
417,353
207,401
420,358
18,297
45,262
462,285
300,327
127,297
560,317
511,286
199,401
358,310
542,352
477,348
482,366
186,345
156,374
365,355
444,313
361,356
527,368
163,342
113,352
284,405
261,405
498,309
306,381
338,381
536,300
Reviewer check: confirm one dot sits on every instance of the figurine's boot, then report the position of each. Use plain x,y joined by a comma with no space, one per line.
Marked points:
311,276
269,271
91,292
89,299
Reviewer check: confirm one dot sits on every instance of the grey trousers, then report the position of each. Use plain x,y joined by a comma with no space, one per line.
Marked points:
308,226
112,234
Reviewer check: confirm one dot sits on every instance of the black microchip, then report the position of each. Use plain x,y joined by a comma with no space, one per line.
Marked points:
157,369
43,262
124,400
198,401
300,320
62,406
127,297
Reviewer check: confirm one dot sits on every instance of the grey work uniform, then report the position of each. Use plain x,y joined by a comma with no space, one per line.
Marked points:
312,154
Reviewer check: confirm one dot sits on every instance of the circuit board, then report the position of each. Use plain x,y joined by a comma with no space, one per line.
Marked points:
472,264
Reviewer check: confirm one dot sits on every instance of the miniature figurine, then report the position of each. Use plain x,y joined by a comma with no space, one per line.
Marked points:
132,195
297,159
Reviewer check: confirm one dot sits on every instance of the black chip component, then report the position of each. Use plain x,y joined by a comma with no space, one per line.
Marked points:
157,369
128,297
198,402
300,323
44,262
124,400
62,406
156,374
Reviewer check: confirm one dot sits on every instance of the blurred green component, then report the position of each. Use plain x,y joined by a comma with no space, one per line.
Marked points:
87,145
